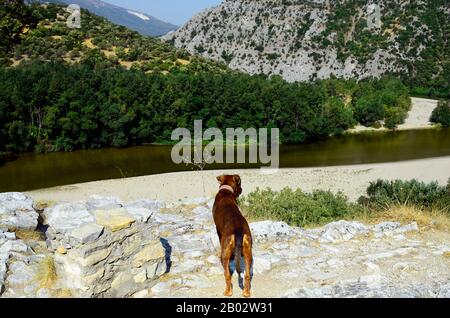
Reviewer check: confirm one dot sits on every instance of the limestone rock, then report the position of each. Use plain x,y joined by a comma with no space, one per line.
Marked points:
152,252
152,205
87,233
342,231
141,294
97,202
272,230
140,214
197,201
114,220
65,217
17,212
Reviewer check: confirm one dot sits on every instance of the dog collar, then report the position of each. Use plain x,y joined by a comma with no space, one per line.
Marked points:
226,187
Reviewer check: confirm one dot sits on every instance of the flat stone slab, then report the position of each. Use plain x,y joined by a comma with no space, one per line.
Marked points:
17,212
114,220
65,217
87,233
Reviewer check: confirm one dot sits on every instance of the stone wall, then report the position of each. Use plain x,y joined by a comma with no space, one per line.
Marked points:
101,247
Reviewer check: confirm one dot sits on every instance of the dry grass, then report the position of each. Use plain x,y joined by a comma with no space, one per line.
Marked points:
407,214
29,235
89,44
41,205
446,255
46,275
63,293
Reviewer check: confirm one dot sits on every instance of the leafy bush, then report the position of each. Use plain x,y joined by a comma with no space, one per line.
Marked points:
383,194
394,116
298,208
368,110
441,114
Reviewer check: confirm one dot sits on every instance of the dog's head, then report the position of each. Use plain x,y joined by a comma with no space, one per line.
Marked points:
233,181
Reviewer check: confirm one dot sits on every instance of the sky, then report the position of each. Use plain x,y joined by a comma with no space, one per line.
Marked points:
174,11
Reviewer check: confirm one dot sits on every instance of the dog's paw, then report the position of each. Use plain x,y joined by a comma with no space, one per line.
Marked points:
228,293
246,294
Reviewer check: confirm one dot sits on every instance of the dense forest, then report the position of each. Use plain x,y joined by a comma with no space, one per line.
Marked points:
103,85
55,106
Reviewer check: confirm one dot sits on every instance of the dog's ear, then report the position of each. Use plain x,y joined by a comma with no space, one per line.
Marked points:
237,179
221,179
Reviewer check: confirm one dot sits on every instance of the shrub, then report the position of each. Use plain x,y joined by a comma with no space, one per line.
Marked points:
383,194
298,208
441,114
368,110
394,116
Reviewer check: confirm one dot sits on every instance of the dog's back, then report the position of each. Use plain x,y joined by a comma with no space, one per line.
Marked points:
233,230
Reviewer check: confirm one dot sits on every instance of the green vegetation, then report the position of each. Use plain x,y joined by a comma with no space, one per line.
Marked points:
42,34
384,197
382,194
419,28
16,19
298,208
441,114
104,85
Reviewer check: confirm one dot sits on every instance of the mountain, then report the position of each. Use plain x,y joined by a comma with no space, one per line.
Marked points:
304,40
137,21
99,41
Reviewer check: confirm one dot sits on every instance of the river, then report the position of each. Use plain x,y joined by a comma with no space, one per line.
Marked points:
35,171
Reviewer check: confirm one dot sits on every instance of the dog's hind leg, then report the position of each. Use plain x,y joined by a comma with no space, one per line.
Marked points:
227,252
248,257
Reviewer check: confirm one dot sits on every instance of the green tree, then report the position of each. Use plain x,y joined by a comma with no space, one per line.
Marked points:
15,19
441,114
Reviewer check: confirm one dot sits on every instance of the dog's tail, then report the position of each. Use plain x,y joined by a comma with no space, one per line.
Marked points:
238,251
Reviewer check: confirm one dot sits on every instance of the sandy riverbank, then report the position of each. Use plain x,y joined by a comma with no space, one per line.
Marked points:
418,117
352,180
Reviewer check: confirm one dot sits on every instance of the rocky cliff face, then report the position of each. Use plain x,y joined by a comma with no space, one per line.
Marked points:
307,39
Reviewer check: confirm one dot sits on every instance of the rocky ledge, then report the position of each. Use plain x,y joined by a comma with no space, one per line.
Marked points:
102,247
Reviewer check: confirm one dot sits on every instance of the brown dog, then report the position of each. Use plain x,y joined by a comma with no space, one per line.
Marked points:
233,231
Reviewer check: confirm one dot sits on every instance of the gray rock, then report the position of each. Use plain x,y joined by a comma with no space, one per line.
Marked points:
303,251
188,244
280,246
198,201
97,202
444,291
324,292
166,218
10,235
413,227
188,266
152,205
386,227
263,262
202,214
21,274
13,246
87,233
65,217
160,288
43,293
16,211
140,214
272,230
394,229
342,231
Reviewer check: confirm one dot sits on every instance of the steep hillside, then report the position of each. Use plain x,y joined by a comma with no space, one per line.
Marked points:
137,21
304,40
98,40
